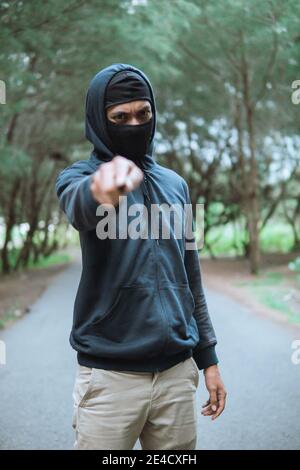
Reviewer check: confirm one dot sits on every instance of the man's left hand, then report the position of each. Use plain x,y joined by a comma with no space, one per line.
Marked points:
217,393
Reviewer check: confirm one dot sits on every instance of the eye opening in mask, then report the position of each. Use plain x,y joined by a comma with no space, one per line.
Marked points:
133,113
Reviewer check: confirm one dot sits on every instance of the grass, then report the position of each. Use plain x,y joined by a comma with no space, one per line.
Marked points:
228,241
54,259
270,290
8,316
43,262
275,300
266,279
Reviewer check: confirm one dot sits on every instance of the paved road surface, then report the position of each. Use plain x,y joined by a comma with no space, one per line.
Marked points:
263,409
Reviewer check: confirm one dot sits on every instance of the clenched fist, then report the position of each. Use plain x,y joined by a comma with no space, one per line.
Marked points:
114,178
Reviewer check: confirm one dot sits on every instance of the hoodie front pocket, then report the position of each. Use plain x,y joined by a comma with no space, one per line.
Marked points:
179,304
134,323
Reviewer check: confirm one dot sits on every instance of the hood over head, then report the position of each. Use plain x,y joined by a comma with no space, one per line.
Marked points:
95,117
126,86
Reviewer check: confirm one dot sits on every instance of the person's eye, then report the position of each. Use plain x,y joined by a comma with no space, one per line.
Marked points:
144,113
120,117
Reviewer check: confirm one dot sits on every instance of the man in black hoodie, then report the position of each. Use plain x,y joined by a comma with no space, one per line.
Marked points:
141,326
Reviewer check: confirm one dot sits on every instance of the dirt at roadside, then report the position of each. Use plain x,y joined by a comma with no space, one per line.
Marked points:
20,290
232,277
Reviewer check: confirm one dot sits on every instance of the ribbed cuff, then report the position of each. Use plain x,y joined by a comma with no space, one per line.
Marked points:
205,357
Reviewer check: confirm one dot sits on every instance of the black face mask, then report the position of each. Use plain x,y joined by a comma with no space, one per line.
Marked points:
130,141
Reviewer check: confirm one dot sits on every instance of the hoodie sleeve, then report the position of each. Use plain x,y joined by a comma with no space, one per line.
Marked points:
75,198
204,353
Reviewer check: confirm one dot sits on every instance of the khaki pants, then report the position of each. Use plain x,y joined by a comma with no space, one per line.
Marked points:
112,409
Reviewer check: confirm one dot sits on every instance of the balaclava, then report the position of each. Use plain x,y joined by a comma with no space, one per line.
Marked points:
131,141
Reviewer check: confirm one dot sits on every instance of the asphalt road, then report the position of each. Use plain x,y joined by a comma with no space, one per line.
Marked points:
263,406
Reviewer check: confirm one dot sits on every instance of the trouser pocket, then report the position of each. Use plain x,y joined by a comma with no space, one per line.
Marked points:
81,391
196,373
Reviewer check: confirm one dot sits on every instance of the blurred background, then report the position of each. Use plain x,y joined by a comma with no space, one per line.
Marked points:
227,83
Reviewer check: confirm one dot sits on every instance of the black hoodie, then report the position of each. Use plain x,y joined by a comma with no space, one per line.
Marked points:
140,304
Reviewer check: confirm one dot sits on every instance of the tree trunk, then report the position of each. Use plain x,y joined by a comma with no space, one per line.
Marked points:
253,210
9,223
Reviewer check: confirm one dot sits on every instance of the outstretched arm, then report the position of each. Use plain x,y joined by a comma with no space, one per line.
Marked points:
80,189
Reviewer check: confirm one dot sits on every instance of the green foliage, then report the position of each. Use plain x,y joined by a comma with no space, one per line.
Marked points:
295,265
42,262
54,259
198,55
229,239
